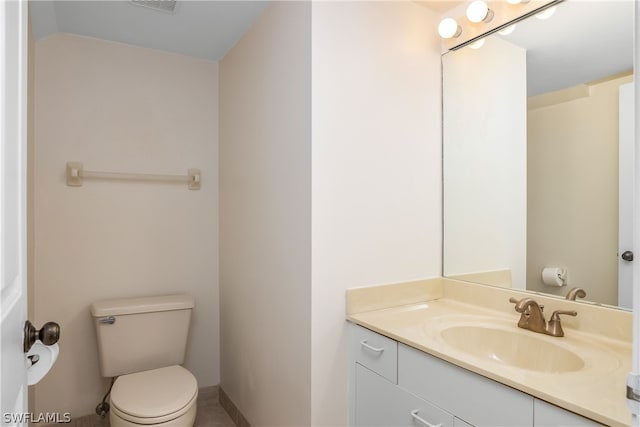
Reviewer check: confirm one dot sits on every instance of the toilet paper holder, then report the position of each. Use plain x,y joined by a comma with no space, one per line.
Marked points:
554,276
49,334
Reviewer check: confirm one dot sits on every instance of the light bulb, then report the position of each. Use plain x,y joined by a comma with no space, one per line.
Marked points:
508,30
478,11
449,28
514,1
547,13
477,44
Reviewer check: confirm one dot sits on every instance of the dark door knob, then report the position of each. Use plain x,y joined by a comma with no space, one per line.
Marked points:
627,256
49,334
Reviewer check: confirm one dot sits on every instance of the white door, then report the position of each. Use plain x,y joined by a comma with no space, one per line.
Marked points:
13,213
625,196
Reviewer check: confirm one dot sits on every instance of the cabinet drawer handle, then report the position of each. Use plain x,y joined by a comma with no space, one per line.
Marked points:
376,349
421,420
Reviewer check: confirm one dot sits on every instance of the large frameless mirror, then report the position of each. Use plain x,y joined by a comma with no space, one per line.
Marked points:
537,154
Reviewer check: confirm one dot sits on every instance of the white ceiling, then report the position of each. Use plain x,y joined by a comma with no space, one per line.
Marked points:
583,41
205,29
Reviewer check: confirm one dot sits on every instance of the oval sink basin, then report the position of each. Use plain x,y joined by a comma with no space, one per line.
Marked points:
521,350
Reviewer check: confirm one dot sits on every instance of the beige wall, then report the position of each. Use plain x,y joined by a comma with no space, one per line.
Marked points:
121,108
573,189
265,218
376,192
376,169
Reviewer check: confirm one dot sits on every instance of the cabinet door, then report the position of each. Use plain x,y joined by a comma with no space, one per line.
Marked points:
548,415
469,396
381,403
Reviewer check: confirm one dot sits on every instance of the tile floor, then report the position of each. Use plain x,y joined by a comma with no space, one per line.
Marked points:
210,413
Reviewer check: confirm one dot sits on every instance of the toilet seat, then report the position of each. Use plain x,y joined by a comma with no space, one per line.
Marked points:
155,396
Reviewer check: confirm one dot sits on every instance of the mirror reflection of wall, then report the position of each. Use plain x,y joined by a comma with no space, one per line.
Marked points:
530,148
572,186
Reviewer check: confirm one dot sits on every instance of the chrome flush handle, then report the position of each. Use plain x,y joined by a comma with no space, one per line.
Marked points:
108,320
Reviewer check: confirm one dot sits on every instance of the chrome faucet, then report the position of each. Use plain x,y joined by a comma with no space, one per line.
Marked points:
532,317
576,292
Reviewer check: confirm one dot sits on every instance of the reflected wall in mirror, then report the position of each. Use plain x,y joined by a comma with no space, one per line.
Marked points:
535,128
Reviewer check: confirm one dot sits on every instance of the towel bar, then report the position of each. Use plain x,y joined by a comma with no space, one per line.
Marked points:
76,174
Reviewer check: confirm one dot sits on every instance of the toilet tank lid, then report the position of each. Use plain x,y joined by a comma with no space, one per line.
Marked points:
114,307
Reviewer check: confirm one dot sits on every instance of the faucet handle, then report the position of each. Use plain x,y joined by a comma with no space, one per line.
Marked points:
554,328
518,304
556,314
517,301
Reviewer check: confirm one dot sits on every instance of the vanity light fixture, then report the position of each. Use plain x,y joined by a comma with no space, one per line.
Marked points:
517,1
449,28
547,13
478,11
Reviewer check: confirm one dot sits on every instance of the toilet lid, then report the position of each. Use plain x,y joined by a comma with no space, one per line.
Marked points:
154,393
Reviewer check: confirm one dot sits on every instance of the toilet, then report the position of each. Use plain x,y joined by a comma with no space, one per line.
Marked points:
142,342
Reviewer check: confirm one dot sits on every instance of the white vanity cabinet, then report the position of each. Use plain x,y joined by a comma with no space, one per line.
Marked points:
393,384
548,415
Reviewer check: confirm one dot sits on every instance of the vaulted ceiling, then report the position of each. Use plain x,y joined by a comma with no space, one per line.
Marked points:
205,29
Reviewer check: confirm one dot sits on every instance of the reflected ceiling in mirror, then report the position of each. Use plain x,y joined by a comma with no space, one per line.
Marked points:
531,143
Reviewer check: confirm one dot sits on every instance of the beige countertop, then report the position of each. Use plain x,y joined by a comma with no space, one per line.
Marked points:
416,313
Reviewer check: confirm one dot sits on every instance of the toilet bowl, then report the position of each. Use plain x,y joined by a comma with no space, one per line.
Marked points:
159,397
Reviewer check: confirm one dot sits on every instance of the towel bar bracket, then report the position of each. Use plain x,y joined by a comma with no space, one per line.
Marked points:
73,174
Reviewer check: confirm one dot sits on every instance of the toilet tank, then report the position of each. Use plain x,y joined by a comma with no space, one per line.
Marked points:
138,334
